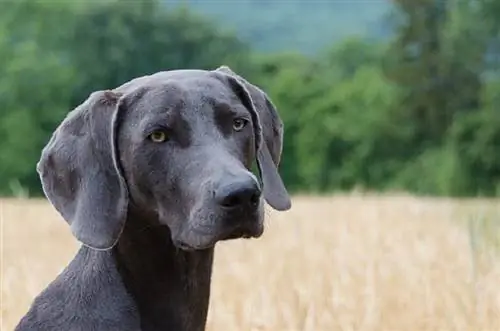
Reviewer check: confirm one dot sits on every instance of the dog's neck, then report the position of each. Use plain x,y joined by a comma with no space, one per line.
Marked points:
170,286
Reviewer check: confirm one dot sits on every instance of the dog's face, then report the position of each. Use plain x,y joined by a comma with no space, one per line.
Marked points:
186,148
177,146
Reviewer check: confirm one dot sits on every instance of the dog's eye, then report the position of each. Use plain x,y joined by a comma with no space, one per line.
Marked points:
158,136
239,124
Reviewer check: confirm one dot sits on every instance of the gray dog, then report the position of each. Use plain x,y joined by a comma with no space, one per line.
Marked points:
150,176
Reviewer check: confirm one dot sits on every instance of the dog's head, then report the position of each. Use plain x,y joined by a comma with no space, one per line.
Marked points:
176,146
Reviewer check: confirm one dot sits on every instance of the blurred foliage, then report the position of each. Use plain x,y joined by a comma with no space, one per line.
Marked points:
274,25
416,111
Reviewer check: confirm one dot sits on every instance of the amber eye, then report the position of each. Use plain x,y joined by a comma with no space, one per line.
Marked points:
158,136
239,124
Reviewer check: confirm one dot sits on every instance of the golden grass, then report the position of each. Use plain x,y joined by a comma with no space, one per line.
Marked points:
337,263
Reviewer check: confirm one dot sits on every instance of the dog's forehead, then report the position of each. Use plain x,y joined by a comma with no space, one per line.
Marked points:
207,90
190,97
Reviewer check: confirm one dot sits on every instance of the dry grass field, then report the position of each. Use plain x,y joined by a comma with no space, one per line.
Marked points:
349,262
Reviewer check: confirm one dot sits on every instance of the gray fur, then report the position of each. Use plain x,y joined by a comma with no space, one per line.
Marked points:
148,214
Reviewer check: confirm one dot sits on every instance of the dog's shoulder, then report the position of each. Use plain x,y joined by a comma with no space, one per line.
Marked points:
87,295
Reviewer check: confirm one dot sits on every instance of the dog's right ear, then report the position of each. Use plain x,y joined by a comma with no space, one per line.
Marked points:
80,171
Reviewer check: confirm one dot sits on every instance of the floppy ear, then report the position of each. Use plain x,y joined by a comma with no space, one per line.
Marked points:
81,175
268,129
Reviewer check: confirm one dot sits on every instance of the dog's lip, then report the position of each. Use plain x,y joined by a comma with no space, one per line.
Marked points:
213,236
245,232
184,246
237,235
203,231
191,248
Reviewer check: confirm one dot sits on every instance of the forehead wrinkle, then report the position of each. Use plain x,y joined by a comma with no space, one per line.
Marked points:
166,102
172,99
199,116
227,105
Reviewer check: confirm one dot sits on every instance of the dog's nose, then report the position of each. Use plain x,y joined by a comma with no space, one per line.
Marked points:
239,193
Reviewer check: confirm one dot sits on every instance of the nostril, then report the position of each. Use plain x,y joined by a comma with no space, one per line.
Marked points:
233,196
254,199
231,200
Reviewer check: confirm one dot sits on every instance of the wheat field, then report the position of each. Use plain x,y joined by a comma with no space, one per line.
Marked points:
352,262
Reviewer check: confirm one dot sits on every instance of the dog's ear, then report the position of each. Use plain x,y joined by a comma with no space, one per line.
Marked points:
268,128
80,171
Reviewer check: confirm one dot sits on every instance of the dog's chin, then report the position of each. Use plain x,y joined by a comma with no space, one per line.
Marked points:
204,230
198,240
254,231
187,247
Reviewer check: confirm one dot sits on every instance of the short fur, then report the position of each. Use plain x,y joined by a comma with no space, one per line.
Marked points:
149,213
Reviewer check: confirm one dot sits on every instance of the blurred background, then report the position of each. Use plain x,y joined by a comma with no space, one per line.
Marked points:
391,150
375,95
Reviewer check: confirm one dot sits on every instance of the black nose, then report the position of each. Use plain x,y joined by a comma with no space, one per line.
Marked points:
239,193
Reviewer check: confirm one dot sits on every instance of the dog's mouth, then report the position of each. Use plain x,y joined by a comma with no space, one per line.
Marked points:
253,231
188,248
201,238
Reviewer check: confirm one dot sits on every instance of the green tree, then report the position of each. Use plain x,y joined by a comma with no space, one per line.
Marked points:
341,130
115,41
423,61
54,54
284,78
476,138
33,89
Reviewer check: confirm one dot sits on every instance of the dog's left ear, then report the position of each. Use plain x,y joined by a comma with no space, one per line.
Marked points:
268,129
